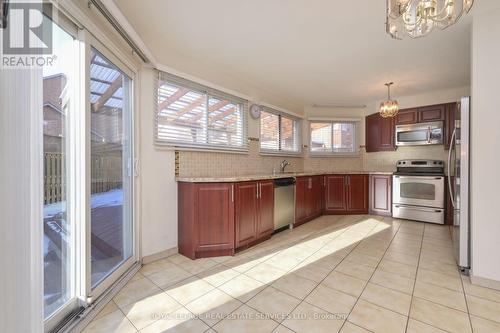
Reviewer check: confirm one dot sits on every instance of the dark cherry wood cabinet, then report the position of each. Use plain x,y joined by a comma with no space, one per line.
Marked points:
407,116
449,210
206,219
346,194
451,111
335,198
379,133
308,198
431,113
357,194
380,195
254,212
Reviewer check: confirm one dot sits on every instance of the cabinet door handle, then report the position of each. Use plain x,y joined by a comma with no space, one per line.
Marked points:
232,192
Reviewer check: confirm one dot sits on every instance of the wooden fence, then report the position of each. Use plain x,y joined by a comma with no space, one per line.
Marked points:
106,175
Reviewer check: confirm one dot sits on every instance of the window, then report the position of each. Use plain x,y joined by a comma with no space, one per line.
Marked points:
192,115
333,138
279,132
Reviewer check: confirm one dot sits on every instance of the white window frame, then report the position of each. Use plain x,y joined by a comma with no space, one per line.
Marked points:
209,93
298,134
332,153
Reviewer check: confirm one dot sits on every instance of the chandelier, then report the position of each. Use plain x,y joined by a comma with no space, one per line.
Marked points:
389,108
417,18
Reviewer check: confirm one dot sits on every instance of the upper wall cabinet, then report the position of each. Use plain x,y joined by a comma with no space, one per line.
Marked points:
379,133
407,116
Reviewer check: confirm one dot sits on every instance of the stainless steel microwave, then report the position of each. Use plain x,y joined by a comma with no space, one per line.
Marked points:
420,134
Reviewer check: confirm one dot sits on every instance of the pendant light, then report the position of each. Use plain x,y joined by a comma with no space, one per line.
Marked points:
389,108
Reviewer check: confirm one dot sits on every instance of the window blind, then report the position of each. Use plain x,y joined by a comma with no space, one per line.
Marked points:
196,116
279,132
333,137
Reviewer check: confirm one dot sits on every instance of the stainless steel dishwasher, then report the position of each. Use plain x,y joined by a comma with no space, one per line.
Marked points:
284,202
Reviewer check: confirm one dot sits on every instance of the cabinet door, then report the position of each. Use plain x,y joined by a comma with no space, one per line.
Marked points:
431,113
266,209
380,195
214,217
317,193
246,212
300,199
335,198
380,133
357,194
407,116
451,109
310,197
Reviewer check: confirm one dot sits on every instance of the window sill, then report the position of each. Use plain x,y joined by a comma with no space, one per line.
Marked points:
277,154
168,147
334,155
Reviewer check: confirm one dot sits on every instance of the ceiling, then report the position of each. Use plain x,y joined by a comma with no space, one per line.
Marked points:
304,51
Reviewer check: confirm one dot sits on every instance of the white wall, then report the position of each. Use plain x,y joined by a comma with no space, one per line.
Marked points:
485,136
157,179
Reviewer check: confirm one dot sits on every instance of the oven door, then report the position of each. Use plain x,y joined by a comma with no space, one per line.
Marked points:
425,191
419,134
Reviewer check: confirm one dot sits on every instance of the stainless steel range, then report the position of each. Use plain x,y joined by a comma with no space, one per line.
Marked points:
418,191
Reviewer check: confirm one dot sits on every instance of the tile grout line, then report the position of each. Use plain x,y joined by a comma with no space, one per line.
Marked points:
368,281
415,280
467,304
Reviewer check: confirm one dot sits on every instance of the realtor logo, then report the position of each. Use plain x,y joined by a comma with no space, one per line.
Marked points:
28,31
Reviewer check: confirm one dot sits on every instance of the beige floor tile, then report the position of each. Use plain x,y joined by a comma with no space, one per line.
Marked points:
108,308
344,283
198,265
169,276
331,300
403,270
180,321
328,261
283,262
146,311
113,322
213,306
295,285
242,264
402,258
387,298
218,275
179,259
242,287
245,319
439,279
265,273
432,255
440,295
415,326
136,290
189,290
398,247
363,259
481,325
440,316
282,329
314,272
307,318
351,328
481,307
393,281
377,319
137,276
274,303
478,291
440,267
356,270
156,266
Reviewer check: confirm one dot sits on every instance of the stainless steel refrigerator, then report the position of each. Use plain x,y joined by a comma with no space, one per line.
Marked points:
458,184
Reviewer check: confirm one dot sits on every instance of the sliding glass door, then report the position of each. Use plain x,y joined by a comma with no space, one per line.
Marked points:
111,235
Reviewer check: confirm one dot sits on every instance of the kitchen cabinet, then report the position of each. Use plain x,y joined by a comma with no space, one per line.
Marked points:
380,195
451,111
346,194
254,211
379,133
308,198
407,116
206,219
449,210
431,113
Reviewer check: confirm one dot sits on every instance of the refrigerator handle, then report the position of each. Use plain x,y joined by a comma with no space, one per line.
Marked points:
449,167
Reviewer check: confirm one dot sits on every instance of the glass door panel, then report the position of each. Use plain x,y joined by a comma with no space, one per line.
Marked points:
58,239
111,235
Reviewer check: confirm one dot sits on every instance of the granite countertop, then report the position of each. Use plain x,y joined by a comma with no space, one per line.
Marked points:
244,178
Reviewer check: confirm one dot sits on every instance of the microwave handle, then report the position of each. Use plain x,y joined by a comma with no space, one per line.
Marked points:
429,134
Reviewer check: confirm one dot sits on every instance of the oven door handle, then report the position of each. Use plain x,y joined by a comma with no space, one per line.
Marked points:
435,210
420,177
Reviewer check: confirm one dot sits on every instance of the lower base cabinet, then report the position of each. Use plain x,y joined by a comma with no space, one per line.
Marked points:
346,194
381,195
308,198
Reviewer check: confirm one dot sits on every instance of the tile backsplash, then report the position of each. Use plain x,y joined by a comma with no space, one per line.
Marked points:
215,164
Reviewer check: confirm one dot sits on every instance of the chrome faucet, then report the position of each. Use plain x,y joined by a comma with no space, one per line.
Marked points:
283,165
